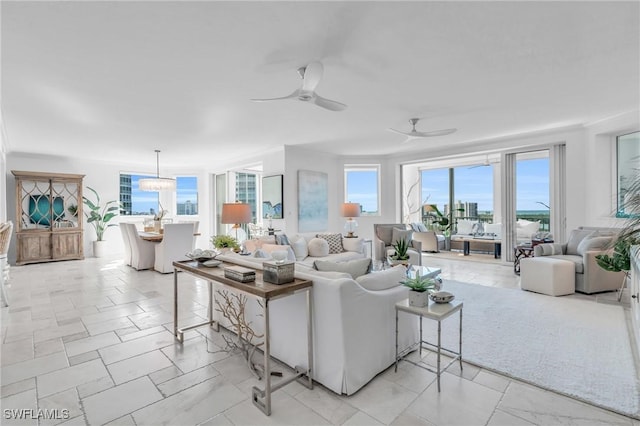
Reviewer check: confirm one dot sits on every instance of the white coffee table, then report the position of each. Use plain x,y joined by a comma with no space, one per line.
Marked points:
425,271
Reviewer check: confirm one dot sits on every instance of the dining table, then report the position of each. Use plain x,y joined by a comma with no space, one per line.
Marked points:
156,237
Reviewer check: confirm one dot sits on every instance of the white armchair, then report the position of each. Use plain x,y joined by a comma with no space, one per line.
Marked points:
582,247
385,237
176,242
142,252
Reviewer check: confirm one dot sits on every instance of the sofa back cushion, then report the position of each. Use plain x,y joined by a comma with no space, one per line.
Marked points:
401,234
465,227
384,233
493,228
593,242
575,237
299,246
270,248
526,228
355,268
383,280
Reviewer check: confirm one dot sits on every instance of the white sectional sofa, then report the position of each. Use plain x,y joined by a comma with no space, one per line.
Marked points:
353,326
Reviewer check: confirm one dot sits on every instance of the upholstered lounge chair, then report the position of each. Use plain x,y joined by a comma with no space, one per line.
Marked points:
385,237
581,248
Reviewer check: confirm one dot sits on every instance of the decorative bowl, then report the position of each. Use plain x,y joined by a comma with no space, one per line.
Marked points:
442,297
201,255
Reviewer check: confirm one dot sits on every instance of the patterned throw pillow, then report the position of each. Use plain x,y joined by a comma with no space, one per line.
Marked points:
334,240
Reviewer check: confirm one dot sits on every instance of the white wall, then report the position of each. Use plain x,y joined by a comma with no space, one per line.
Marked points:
105,179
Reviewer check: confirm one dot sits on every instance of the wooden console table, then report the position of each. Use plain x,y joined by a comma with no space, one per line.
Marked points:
261,290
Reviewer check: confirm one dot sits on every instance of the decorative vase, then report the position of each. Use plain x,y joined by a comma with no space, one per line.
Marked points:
99,248
418,299
394,262
157,226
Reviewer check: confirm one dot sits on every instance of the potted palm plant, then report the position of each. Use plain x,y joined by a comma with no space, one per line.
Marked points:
99,217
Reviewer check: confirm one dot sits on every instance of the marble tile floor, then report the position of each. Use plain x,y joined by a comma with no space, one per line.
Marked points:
89,342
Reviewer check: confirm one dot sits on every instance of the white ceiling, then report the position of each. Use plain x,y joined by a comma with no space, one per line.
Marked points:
116,80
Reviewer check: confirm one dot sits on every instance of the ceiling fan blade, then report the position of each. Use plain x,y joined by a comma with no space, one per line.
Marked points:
433,133
294,95
328,103
312,75
399,132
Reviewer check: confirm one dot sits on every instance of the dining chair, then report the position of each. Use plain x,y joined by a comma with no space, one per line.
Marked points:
176,242
126,242
142,252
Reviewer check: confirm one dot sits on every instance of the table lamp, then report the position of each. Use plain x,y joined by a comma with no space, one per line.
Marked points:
350,210
236,213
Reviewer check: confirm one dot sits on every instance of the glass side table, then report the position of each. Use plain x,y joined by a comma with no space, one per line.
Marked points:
436,312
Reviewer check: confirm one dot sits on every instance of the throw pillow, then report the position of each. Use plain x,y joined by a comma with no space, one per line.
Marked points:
318,247
547,249
465,227
575,237
383,280
401,234
334,240
355,268
594,242
282,239
256,243
299,246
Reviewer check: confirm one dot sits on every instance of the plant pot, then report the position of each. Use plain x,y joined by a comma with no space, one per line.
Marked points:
394,262
418,299
99,248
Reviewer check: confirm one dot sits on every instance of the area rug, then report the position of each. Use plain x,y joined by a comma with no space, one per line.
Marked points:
570,345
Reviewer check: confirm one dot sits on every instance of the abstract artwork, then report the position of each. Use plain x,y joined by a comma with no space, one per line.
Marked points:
313,199
272,197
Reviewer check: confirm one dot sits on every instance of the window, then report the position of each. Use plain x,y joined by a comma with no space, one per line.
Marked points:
362,185
473,189
187,195
628,153
136,202
532,188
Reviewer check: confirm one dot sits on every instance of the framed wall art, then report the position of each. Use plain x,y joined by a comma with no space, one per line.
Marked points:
313,200
272,206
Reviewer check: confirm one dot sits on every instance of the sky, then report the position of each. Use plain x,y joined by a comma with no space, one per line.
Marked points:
476,185
143,201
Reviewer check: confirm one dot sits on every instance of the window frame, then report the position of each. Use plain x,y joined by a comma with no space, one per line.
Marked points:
363,168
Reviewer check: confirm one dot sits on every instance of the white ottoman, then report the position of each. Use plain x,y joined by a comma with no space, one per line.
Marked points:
547,275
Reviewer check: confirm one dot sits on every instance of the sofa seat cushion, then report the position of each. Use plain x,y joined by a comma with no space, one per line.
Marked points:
355,268
382,280
577,260
337,257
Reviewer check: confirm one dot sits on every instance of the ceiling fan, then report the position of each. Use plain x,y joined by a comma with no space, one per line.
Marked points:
484,164
311,75
416,134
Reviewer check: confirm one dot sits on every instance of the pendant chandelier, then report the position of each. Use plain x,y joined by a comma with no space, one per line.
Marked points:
157,183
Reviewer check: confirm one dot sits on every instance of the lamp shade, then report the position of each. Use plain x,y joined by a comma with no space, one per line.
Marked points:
236,213
157,184
350,209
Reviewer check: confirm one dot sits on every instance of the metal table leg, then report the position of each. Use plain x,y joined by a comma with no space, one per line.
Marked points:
439,350
179,332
